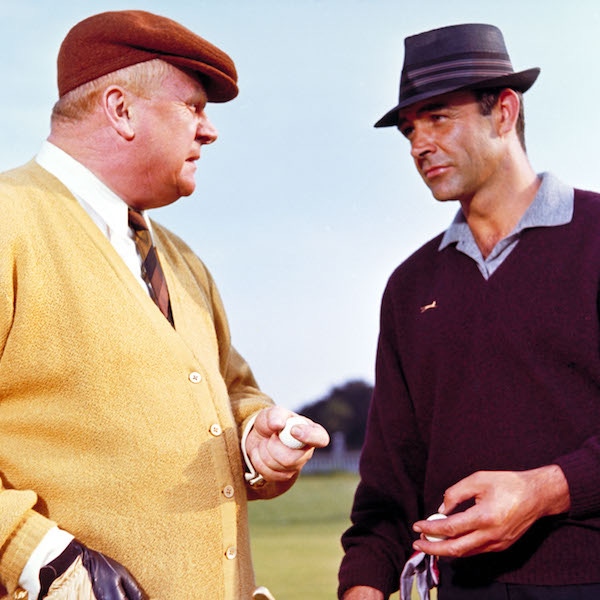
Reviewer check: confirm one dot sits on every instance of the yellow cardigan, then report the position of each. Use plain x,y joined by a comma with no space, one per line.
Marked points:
113,425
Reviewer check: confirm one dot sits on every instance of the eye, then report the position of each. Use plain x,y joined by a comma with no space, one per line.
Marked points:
437,117
406,130
197,108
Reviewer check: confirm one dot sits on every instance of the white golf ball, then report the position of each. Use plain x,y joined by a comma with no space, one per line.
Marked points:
287,438
436,538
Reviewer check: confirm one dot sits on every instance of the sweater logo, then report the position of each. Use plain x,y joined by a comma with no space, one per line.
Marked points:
429,306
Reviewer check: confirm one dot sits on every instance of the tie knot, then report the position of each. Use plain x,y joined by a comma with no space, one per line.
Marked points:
137,221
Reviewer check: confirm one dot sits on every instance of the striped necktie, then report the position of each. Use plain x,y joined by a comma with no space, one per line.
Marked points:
152,272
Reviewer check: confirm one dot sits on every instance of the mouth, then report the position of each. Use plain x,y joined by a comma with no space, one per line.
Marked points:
433,171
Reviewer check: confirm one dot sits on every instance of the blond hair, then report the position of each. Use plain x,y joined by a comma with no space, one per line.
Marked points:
141,79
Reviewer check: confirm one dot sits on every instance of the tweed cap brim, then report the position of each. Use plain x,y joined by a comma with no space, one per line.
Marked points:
452,59
110,41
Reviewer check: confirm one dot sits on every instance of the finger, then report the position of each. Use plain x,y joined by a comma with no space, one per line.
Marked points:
273,460
271,420
466,489
310,433
289,435
469,544
281,457
274,471
454,526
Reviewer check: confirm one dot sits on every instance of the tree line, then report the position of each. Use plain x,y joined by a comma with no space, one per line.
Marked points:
344,409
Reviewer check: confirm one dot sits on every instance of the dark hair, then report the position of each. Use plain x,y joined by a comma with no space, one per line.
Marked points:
487,99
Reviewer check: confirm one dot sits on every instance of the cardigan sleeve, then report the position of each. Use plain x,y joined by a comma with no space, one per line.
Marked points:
21,528
21,531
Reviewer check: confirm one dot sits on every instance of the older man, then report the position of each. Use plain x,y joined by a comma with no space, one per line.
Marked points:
122,400
486,403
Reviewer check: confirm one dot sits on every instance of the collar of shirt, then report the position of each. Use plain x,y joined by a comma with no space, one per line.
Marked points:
103,206
107,210
552,206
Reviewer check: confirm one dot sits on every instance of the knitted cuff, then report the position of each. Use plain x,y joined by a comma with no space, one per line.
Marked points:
20,545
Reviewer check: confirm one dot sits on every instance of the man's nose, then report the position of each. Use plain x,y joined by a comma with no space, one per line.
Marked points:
206,132
421,142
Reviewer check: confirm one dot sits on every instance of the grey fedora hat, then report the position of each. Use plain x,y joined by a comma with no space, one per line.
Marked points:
458,57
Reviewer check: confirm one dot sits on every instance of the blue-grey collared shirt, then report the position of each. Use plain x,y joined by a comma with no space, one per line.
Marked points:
552,206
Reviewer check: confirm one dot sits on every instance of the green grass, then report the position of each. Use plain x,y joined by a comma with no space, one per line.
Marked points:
296,537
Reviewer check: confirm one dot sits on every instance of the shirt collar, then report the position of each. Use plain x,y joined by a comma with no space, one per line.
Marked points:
552,206
103,205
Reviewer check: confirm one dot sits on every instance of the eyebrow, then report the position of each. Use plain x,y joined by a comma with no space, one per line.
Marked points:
431,107
198,97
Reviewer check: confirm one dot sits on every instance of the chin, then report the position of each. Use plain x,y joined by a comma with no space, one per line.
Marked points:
442,196
186,188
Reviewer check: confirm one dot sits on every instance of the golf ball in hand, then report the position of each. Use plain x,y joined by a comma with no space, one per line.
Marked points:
285,435
435,538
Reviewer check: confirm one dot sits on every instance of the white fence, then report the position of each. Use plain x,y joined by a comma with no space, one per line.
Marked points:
337,458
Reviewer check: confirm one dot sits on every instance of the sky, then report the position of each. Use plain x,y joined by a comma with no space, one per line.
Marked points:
302,209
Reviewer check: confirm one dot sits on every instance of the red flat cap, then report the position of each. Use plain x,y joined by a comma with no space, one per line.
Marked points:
111,41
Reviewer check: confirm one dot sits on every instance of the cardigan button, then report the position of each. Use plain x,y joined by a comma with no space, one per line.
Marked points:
228,491
195,377
231,552
216,429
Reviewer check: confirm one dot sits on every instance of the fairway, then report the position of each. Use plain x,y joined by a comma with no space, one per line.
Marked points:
296,537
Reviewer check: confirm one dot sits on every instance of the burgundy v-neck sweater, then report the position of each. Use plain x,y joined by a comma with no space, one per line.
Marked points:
475,374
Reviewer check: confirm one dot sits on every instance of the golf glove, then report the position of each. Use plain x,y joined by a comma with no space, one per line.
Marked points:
86,574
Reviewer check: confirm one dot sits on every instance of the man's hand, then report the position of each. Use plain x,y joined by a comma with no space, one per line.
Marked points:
507,503
78,568
273,459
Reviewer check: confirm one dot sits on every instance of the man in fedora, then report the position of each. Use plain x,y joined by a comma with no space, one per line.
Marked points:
132,433
486,406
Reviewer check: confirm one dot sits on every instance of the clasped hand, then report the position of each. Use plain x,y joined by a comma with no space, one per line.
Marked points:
269,456
507,503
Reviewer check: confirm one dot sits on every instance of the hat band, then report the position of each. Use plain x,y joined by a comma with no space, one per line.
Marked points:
477,69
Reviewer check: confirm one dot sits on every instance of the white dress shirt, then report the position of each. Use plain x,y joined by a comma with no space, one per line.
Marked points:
104,207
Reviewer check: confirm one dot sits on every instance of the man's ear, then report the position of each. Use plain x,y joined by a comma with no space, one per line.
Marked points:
118,111
508,107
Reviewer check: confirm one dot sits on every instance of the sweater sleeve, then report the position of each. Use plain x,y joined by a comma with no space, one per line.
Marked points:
389,496
582,470
21,531
21,528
